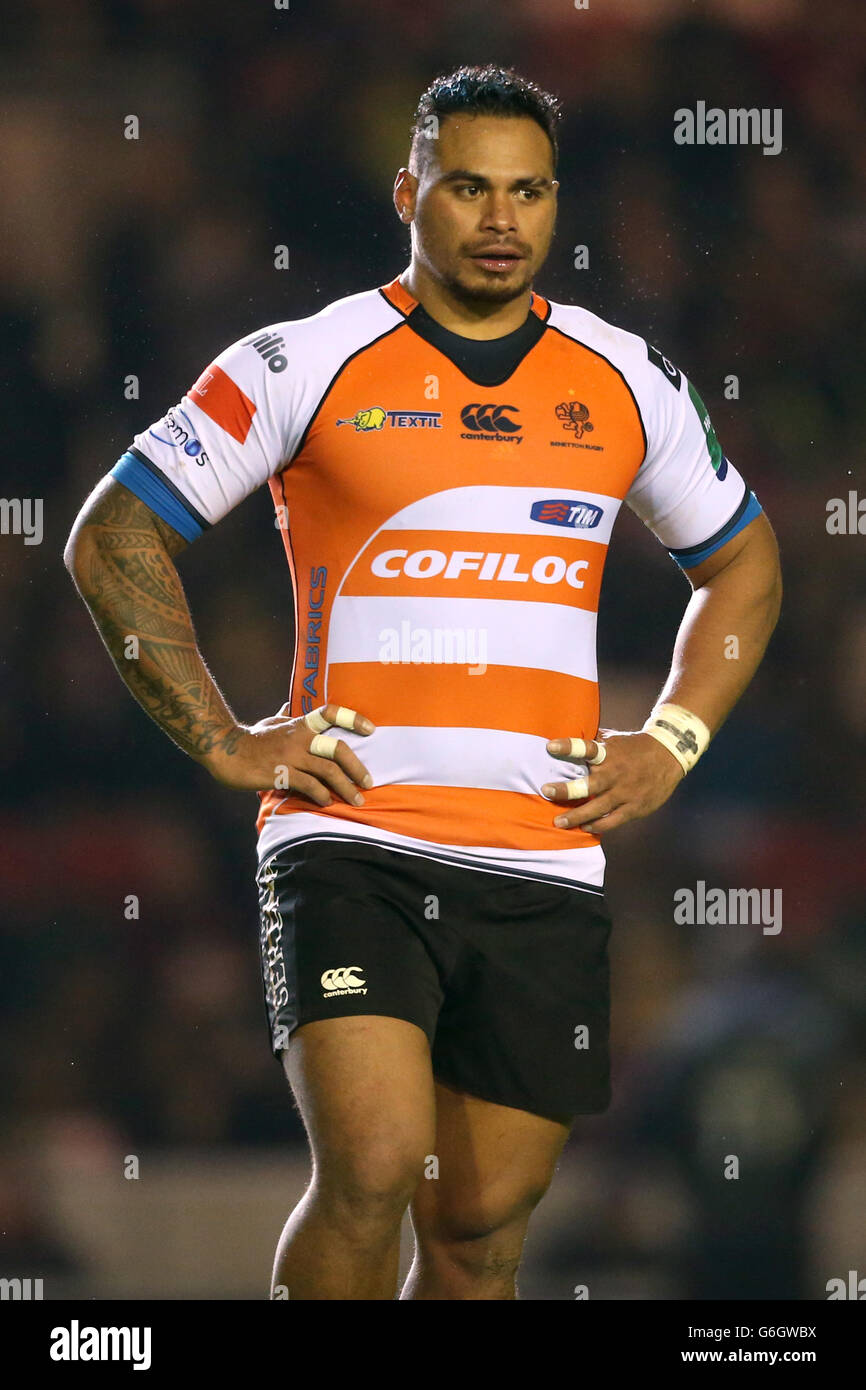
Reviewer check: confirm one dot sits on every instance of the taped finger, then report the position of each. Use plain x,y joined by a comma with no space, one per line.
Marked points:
577,789
323,746
316,721
578,751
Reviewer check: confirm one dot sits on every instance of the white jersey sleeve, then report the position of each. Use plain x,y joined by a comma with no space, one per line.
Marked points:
245,417
229,433
686,490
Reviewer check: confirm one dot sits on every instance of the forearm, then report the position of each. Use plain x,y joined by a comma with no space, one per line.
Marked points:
123,568
721,641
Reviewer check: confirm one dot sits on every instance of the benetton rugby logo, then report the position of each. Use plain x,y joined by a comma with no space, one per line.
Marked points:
563,511
574,415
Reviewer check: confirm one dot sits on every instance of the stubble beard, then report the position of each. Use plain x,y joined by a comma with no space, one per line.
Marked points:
492,293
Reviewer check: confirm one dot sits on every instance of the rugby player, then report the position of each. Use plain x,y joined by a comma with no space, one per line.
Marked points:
447,454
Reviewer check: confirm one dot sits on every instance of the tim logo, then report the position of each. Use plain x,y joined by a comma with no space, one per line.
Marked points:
574,415
487,420
561,511
343,980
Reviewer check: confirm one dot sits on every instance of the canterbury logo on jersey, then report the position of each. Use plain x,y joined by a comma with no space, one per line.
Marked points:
342,980
488,420
428,564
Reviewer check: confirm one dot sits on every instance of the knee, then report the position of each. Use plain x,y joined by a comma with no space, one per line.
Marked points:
464,1217
371,1187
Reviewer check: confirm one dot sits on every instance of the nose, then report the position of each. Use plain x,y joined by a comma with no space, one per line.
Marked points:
498,214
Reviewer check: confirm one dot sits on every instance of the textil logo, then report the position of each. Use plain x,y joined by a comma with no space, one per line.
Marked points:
374,417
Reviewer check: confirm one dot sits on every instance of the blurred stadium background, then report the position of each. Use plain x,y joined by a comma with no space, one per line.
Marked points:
147,1038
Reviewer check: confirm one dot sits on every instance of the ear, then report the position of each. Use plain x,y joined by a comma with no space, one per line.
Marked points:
405,193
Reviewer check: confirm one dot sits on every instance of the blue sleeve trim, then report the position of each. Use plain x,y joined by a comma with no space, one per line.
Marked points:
151,487
748,509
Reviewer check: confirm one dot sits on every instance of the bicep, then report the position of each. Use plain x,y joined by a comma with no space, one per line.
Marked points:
755,545
113,516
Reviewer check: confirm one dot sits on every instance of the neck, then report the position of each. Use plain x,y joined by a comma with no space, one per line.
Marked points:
469,318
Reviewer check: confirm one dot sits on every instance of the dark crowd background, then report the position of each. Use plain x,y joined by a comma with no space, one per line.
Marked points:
259,127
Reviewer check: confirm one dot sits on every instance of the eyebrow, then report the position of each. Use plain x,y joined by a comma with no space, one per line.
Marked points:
467,176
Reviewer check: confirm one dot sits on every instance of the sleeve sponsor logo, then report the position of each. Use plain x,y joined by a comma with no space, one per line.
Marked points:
714,448
269,346
223,401
665,366
179,435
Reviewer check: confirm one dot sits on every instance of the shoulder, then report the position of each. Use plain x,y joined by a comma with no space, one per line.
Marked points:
291,360
649,374
343,327
594,332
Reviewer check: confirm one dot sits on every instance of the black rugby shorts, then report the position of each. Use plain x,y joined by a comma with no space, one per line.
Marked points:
508,976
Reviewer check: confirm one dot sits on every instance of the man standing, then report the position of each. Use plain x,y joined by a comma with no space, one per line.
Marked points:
447,455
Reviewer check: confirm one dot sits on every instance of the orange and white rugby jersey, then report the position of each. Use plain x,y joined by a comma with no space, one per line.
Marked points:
446,507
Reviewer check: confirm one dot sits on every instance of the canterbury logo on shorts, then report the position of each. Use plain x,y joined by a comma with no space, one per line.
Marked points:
342,981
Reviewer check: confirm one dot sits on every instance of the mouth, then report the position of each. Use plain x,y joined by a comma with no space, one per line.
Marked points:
498,261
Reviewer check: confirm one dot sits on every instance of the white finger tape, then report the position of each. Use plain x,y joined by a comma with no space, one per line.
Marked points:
316,721
323,746
345,718
578,750
577,788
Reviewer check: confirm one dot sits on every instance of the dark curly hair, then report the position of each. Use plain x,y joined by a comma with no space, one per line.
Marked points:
483,91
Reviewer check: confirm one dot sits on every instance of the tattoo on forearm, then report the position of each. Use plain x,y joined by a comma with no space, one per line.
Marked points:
130,588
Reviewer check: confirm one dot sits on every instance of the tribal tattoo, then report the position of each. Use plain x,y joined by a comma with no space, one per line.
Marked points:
120,554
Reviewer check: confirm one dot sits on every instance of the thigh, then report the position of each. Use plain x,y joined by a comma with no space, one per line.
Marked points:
364,1087
494,1165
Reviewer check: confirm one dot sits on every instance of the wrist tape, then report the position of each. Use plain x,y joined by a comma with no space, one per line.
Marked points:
680,731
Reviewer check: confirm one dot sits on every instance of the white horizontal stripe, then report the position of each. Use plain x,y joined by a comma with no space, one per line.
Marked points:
504,509
571,867
516,632
495,759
